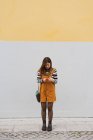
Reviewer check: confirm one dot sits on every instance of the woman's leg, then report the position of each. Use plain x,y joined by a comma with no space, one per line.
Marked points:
50,111
43,110
43,114
50,115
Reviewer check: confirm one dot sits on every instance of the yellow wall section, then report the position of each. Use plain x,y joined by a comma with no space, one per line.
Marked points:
46,20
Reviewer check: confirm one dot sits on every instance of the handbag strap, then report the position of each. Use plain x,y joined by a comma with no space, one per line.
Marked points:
38,87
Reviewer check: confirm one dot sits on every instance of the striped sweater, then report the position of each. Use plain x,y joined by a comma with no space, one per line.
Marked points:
54,76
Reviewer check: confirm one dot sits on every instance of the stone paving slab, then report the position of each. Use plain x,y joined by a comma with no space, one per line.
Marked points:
59,124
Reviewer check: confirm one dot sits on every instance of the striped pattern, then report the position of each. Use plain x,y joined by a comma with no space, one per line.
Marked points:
54,76
39,80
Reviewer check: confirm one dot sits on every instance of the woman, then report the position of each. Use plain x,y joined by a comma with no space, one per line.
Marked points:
47,77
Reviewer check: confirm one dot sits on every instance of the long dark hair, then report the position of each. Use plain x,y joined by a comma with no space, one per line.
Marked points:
42,68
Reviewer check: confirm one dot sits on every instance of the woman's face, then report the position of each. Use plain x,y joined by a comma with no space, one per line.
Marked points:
47,65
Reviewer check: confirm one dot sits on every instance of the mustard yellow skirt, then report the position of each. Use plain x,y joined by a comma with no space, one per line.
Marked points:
47,92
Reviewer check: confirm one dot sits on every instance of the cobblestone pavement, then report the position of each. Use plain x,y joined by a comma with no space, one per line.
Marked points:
41,135
30,129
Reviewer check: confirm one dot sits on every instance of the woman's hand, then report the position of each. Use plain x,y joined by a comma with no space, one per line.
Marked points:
50,79
44,79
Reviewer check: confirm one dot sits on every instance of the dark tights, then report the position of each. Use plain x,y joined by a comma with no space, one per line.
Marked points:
50,111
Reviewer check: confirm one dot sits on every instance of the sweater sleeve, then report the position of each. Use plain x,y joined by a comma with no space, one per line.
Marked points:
55,76
39,80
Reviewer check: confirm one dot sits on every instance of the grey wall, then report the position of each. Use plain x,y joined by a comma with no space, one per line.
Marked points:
19,62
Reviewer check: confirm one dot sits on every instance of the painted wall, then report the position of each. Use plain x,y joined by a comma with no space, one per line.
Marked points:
60,29
19,62
50,20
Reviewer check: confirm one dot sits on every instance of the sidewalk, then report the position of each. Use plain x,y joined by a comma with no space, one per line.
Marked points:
30,128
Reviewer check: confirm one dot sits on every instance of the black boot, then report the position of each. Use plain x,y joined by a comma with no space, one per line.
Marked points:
49,126
44,125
